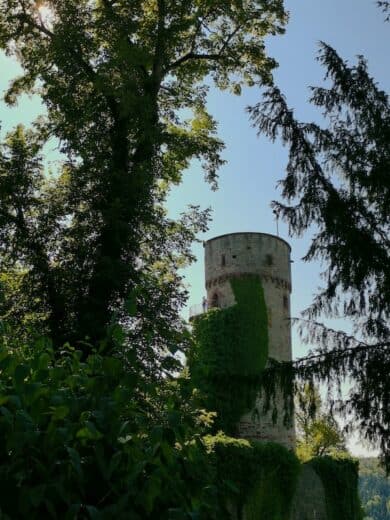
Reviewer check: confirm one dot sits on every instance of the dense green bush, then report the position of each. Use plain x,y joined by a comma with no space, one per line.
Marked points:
88,439
257,479
79,439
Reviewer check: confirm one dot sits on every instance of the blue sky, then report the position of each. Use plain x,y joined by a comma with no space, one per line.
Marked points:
248,180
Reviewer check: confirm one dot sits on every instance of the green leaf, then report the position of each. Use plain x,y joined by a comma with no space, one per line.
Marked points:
118,334
36,494
112,366
131,306
75,461
152,492
93,512
44,360
89,432
59,412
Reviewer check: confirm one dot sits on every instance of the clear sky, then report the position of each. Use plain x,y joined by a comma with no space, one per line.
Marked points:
248,180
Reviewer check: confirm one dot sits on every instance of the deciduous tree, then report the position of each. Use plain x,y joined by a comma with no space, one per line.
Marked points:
318,431
118,79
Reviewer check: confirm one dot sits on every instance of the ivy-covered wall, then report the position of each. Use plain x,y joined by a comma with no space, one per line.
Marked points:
230,351
258,479
339,477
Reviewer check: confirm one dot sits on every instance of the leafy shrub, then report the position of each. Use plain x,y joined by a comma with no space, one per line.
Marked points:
84,439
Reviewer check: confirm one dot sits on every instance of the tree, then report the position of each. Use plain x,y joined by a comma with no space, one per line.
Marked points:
90,425
385,6
318,431
116,78
338,179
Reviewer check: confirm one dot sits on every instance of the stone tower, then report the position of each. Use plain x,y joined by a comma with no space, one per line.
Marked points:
267,256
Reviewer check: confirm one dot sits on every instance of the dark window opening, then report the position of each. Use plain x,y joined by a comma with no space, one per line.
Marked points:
215,300
285,302
269,260
223,260
234,256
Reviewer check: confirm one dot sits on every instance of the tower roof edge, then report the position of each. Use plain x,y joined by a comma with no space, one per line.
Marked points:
248,233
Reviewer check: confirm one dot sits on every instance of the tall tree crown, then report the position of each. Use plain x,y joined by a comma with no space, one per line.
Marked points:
118,79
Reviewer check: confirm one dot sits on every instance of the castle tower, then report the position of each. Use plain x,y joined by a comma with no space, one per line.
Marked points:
240,255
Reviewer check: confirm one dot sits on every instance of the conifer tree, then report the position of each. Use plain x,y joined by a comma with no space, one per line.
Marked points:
337,185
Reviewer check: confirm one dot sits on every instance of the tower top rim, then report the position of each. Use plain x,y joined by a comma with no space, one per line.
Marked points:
249,233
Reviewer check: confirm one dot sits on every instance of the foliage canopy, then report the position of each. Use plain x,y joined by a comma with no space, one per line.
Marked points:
318,433
89,257
116,78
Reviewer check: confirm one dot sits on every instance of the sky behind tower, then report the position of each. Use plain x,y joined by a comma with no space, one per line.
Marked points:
254,165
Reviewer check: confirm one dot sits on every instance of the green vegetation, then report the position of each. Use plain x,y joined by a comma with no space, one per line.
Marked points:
94,424
321,444
116,78
229,353
374,490
318,433
89,257
339,477
75,442
258,479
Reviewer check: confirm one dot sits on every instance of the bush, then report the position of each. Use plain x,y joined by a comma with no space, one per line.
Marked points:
78,440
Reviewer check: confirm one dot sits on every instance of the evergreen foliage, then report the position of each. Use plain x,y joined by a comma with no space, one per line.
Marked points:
385,6
338,182
229,353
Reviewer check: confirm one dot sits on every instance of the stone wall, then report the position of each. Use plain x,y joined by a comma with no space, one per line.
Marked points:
309,501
